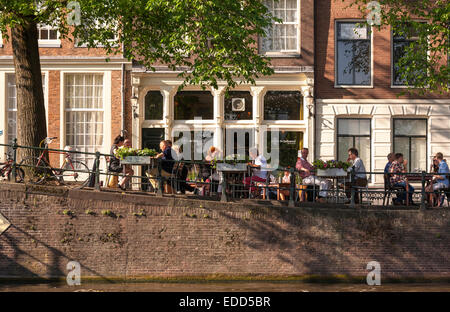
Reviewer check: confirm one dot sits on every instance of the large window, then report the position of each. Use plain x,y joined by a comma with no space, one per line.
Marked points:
353,61
401,40
238,105
354,133
283,105
410,139
11,105
238,141
289,143
83,103
191,104
153,106
282,37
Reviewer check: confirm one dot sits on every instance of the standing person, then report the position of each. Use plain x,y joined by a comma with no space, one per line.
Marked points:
399,180
360,173
440,181
114,162
258,164
123,180
308,178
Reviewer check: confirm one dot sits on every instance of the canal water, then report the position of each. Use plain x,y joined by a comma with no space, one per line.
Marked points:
224,287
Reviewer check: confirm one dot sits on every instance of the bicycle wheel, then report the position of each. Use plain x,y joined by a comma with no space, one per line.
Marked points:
39,169
20,175
80,175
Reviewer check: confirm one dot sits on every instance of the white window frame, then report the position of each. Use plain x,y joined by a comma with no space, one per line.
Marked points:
45,75
336,85
106,108
48,43
394,86
285,53
1,40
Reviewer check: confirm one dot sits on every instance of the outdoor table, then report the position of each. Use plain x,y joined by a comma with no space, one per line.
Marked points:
335,181
229,174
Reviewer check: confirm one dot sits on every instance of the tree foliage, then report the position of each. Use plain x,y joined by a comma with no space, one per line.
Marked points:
208,40
423,63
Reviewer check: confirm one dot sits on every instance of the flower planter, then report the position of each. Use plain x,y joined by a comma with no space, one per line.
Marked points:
332,172
231,167
136,160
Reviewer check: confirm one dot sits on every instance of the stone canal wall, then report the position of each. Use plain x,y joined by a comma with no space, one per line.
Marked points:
114,235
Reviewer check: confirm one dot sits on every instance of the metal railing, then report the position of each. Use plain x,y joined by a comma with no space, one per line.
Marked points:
213,183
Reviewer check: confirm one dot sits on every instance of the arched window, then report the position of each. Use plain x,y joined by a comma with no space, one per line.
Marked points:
153,105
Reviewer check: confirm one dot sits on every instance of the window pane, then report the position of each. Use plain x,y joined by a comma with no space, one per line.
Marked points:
154,105
289,143
354,126
238,141
418,154
344,143
362,144
410,127
352,31
242,108
402,146
283,105
191,104
344,65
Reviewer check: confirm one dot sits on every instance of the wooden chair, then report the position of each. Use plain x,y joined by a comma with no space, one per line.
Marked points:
389,188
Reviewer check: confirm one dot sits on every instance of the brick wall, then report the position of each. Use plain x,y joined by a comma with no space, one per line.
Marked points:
180,237
326,13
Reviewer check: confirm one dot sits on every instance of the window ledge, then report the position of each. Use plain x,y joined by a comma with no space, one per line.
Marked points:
281,54
353,86
50,44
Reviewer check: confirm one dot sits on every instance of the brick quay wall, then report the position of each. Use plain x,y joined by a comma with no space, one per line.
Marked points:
131,236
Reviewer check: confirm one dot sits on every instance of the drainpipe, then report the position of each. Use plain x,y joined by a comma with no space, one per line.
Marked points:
122,117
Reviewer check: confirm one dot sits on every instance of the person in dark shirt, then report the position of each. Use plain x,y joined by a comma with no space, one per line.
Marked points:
391,158
166,164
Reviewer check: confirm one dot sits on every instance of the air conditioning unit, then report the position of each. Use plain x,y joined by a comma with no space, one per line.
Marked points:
238,104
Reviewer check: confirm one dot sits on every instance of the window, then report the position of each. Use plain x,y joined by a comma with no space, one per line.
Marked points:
191,104
410,139
289,143
282,37
1,40
354,133
198,144
238,106
353,60
48,36
153,106
401,40
283,105
11,105
83,103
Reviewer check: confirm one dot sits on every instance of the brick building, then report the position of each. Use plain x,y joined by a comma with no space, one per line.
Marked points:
358,105
312,99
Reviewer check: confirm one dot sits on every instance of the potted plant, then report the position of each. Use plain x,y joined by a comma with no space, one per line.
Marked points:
135,156
331,168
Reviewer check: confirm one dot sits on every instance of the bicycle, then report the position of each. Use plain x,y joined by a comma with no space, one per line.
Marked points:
69,169
6,169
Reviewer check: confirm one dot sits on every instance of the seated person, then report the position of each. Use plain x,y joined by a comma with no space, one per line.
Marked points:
440,181
285,179
259,165
167,163
209,174
305,170
391,158
181,171
397,180
360,173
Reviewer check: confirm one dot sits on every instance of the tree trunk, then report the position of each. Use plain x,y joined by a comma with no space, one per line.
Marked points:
31,123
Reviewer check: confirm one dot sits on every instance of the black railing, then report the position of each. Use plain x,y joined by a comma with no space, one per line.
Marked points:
213,183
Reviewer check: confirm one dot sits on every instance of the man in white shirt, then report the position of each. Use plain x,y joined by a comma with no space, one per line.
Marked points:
360,173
